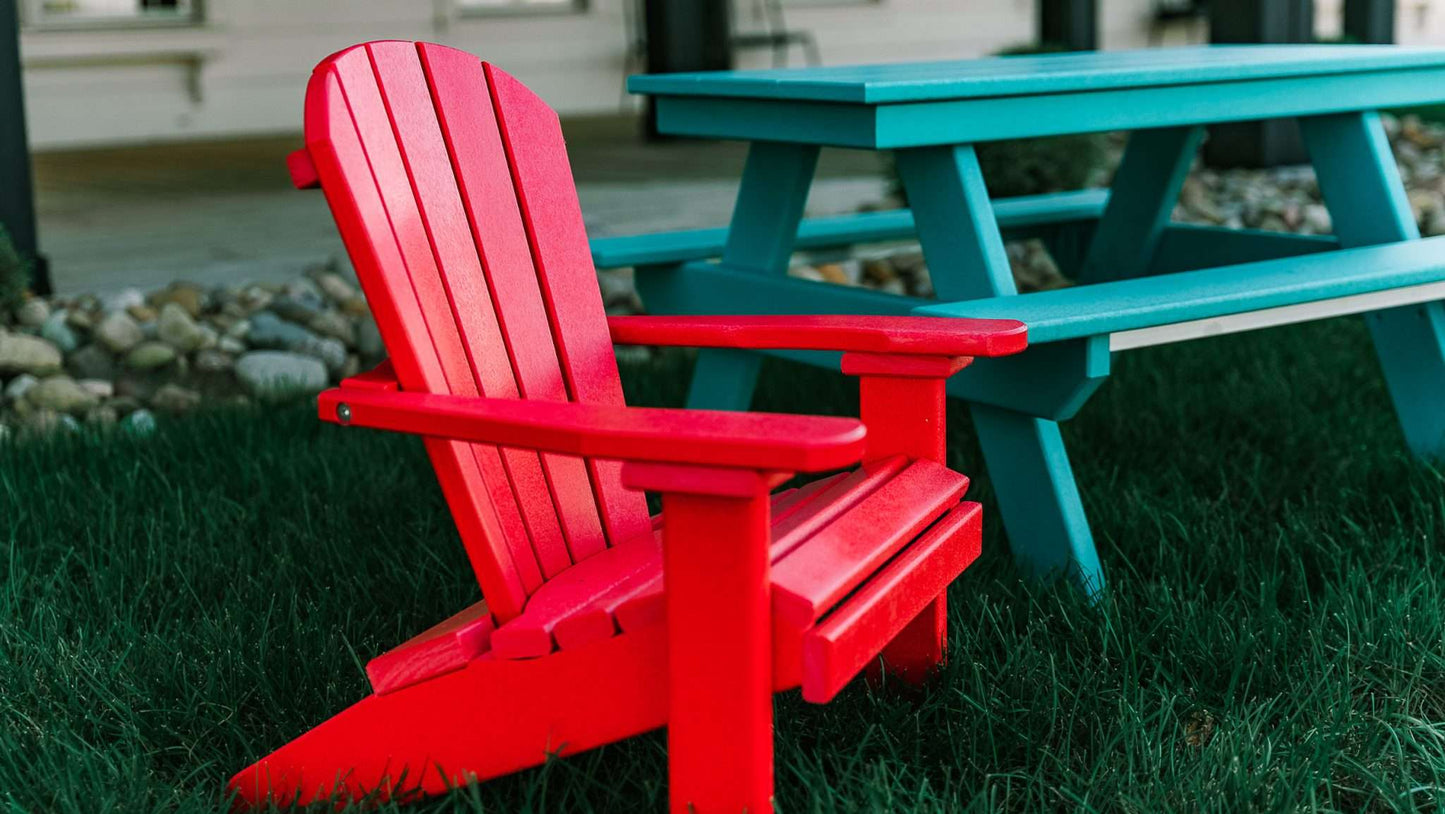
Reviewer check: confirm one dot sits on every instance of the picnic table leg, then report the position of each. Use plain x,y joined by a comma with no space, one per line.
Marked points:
1027,464
1361,186
1029,470
760,240
1145,189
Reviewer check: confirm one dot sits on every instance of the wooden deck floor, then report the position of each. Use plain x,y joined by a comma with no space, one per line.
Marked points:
213,212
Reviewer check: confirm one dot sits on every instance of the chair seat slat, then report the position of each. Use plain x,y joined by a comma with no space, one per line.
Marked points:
847,639
816,575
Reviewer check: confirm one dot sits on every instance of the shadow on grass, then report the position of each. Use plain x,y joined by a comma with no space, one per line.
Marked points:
1272,639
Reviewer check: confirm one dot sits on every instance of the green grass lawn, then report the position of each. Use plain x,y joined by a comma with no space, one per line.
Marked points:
1273,639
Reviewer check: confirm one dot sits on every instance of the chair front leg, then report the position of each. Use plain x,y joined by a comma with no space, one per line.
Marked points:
902,401
719,601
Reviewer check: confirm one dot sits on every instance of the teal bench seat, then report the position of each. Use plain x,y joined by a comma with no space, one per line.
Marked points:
1013,214
1187,305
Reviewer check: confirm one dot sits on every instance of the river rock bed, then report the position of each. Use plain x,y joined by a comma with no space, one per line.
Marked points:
75,362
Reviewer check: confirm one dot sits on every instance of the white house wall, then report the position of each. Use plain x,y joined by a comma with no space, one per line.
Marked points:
243,70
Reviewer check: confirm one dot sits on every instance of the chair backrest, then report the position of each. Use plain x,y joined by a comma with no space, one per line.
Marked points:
450,185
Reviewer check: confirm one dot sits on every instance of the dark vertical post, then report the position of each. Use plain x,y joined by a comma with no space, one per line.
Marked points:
1267,143
1370,21
1073,24
686,35
17,194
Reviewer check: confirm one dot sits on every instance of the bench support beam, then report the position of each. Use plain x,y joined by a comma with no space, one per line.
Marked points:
1145,188
955,222
1027,463
1029,470
1050,381
1361,185
760,240
1191,247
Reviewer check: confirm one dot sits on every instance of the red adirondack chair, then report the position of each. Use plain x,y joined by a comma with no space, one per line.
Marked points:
450,184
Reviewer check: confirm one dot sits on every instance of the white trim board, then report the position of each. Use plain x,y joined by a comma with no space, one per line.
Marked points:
1270,317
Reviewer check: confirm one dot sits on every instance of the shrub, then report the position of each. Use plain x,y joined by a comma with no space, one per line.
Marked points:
14,273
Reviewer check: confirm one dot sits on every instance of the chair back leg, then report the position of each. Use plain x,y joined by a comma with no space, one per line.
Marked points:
905,415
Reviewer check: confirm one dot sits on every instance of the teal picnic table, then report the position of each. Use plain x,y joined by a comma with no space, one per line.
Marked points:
1143,280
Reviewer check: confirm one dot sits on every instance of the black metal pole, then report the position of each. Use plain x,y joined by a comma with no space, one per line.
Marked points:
17,192
686,35
1370,21
1266,143
1072,24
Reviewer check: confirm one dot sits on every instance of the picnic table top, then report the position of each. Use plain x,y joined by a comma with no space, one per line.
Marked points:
1034,74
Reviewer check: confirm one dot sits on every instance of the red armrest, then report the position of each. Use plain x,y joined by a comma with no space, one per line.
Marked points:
765,441
921,336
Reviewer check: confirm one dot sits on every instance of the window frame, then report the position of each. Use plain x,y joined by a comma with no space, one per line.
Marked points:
33,17
517,8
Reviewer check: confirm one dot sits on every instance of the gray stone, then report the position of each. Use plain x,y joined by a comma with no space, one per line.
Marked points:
118,332
61,394
617,287
100,388
1033,268
140,422
835,273
253,298
356,307
271,332
91,362
33,312
334,325
187,295
176,328
335,287
211,360
298,307
150,355
122,300
240,329
19,386
1316,219
84,320
368,340
266,330
301,287
28,354
172,398
228,344
272,375
136,388
142,313
59,332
